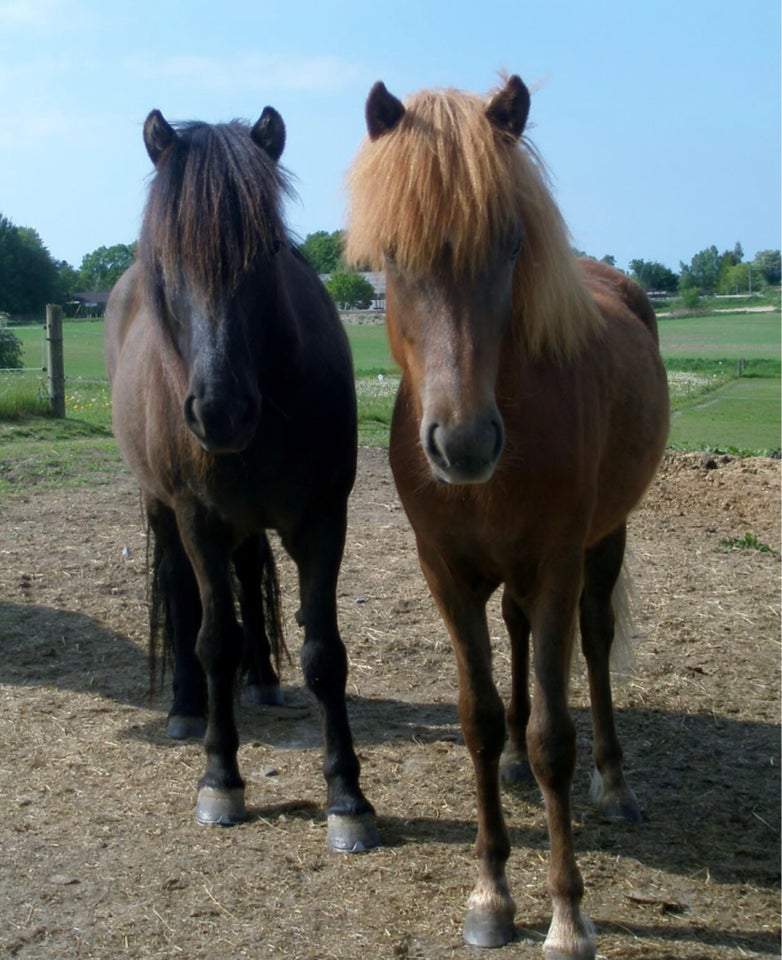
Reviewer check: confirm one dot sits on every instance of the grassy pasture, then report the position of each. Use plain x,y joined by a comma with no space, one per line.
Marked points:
722,336
712,407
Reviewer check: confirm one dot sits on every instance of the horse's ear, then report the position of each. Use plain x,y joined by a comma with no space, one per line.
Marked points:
269,133
509,109
158,135
383,111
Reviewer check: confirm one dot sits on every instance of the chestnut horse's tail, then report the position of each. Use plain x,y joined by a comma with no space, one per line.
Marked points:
624,603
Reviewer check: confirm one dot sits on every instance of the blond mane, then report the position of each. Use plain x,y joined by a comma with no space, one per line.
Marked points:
446,174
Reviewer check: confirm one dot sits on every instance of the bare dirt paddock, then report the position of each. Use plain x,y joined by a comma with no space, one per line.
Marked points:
99,853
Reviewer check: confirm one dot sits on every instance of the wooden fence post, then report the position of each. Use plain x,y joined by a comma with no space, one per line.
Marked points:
55,363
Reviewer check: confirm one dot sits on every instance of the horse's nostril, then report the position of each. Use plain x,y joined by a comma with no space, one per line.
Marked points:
433,449
190,411
499,439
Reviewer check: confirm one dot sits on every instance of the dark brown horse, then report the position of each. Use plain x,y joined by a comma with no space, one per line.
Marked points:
531,416
234,406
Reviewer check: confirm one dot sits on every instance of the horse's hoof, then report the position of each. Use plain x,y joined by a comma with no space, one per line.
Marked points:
517,773
352,834
221,807
264,694
570,936
185,728
621,808
617,804
485,928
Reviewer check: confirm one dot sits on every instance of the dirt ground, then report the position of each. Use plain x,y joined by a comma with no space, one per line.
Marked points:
101,857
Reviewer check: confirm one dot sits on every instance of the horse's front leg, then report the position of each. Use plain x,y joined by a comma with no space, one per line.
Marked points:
551,741
219,649
489,921
316,548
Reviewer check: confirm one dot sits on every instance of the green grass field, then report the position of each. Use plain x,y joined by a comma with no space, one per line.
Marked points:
712,406
722,336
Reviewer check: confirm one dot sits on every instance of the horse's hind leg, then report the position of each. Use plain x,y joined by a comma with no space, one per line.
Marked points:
316,548
176,590
251,560
514,766
613,797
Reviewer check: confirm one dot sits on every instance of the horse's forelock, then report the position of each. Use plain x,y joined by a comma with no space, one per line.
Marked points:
440,175
214,208
444,173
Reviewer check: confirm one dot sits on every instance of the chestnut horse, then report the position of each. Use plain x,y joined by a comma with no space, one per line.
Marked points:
531,415
234,406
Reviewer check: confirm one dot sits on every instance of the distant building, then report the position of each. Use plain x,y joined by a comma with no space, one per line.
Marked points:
88,303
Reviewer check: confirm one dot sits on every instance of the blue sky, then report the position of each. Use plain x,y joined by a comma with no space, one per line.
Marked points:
659,121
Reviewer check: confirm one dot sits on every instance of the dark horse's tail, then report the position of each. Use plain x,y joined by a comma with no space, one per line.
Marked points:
256,591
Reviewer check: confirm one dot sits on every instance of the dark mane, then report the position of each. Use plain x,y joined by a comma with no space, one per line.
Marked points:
214,208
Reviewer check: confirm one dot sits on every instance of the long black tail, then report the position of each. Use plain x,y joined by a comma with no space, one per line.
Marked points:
160,634
255,581
272,607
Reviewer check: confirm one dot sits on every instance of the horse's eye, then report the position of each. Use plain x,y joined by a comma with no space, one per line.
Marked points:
516,248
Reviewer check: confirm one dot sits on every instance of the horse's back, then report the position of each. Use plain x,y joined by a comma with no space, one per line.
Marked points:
633,383
121,309
322,333
599,275
324,367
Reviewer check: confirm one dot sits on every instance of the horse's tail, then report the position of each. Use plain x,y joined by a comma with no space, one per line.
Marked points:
160,640
624,604
272,607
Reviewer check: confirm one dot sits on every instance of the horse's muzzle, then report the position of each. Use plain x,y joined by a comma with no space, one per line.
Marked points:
222,425
466,452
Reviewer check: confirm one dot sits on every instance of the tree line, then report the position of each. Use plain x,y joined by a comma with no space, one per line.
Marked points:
30,277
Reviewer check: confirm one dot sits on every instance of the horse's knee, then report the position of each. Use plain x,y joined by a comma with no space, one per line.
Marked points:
551,743
483,724
324,665
220,651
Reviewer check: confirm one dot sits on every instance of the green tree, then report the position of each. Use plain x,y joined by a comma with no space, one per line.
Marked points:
703,271
654,276
101,269
69,280
323,250
691,296
769,265
739,278
29,277
350,291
